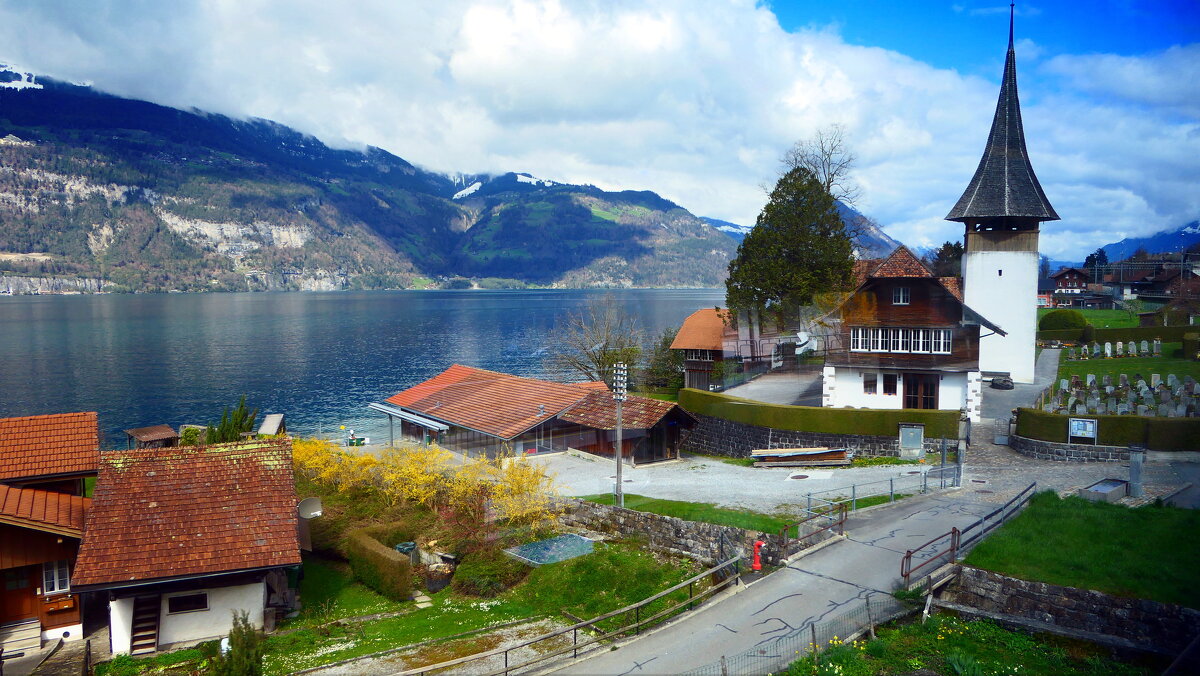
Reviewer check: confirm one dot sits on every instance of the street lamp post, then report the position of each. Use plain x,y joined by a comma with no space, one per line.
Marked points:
619,384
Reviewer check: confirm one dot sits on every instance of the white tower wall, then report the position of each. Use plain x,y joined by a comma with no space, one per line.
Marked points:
1002,286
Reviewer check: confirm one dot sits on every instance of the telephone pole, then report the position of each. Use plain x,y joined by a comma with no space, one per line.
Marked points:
619,385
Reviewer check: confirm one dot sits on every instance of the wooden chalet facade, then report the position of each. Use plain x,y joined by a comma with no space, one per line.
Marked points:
1071,281
485,413
904,339
43,463
179,538
701,340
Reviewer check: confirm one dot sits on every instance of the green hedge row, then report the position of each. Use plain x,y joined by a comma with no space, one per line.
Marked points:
876,422
1158,434
1191,345
376,563
1168,334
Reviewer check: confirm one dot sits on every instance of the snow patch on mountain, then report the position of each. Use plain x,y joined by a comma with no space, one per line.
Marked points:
12,77
526,178
469,190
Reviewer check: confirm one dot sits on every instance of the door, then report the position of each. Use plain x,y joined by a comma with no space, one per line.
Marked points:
920,390
17,598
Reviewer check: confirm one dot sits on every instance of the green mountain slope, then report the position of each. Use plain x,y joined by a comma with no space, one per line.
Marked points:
148,198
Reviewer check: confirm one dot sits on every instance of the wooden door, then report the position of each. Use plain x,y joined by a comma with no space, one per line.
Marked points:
920,390
18,600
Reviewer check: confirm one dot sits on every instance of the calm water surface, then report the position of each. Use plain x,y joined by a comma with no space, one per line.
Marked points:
319,358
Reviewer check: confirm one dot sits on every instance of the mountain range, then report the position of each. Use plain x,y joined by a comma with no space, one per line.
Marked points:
1167,241
143,197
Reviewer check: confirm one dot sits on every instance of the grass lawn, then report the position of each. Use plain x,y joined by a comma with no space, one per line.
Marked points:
948,646
1147,553
1102,319
661,397
703,512
1172,361
329,592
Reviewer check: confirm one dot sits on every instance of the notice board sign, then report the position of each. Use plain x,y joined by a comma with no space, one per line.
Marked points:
1081,430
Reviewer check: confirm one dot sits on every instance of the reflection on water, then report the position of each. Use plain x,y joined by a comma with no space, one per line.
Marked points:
317,357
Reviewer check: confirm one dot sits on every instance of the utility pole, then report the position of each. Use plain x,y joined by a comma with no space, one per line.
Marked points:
619,384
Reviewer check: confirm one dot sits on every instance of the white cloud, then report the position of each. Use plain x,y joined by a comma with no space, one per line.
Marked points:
697,105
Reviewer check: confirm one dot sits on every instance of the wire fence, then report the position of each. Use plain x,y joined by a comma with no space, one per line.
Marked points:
916,481
775,654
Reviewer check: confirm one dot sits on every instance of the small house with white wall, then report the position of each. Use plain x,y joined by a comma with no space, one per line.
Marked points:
181,538
905,339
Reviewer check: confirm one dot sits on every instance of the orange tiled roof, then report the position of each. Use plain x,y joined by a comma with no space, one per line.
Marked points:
593,385
598,410
47,511
863,269
702,330
953,285
902,263
192,510
498,404
49,445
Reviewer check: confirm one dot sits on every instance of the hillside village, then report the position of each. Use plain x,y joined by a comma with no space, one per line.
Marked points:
867,451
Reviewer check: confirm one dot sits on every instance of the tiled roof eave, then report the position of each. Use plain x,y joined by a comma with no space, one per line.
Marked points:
141,582
34,524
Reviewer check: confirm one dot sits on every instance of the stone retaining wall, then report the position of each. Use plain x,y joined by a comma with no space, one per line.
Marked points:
1164,626
1053,450
701,541
717,436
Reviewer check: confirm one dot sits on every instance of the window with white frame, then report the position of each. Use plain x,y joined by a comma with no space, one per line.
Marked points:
919,341
900,295
187,603
56,577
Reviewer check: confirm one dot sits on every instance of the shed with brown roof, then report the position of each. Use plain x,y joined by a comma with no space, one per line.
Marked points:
652,429
154,436
192,529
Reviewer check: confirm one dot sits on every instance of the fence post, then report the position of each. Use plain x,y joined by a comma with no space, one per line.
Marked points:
853,497
724,667
816,649
925,482
870,619
810,502
891,490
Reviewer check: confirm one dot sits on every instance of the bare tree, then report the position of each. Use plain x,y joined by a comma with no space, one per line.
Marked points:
589,342
826,156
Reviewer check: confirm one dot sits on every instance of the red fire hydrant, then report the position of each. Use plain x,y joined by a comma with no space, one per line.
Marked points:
758,545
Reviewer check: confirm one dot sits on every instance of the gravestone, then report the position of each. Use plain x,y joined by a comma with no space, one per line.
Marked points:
1096,350
1122,409
1107,350
1157,347
1141,385
1164,411
1120,349
1131,349
1109,389
1164,396
1071,353
1142,409
1091,379
1101,408
1145,347
1181,410
1063,384
1124,380
1172,381
1112,403
1155,379
1080,409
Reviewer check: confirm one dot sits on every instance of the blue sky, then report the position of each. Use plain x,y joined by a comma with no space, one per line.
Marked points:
696,100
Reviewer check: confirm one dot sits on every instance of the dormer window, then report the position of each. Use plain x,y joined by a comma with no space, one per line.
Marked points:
900,295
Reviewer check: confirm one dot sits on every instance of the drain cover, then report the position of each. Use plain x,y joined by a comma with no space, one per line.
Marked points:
914,472
984,491
798,476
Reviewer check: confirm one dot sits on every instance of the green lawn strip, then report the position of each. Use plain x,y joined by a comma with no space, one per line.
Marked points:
947,646
658,396
740,462
124,665
448,617
1102,319
1172,361
328,592
863,503
1140,553
703,512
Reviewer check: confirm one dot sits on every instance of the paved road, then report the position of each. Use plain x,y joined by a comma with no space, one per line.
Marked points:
812,589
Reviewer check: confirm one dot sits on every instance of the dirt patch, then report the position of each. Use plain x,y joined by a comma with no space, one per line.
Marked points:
26,257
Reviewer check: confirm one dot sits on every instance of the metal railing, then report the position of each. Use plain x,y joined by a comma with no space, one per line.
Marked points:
774,654
820,520
727,572
942,476
955,537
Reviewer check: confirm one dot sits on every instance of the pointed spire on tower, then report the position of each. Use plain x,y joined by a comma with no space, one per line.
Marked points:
1004,185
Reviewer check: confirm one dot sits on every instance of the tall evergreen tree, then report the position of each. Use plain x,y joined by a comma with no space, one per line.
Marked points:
233,424
946,261
798,248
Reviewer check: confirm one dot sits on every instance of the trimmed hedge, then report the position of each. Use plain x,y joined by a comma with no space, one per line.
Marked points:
1158,434
875,422
1168,334
1191,345
1063,319
376,564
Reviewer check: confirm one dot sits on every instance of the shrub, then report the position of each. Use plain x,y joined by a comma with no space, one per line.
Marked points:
1062,319
376,564
245,650
1089,333
488,572
1159,434
1191,346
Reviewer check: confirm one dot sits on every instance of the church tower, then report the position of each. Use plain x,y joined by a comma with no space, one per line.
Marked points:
1002,208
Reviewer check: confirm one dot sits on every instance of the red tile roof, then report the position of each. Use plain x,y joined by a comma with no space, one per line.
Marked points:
47,511
702,330
49,445
186,511
153,433
498,404
902,263
953,285
593,386
599,410
863,269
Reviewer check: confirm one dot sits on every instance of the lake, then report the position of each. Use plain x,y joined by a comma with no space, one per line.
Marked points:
319,358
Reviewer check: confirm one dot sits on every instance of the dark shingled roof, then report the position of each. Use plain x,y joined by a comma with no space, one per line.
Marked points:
1004,185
